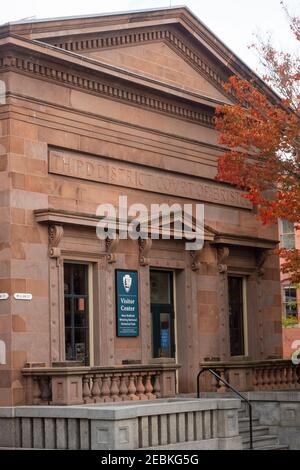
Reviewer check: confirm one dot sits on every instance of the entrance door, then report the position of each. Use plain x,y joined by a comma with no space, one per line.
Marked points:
236,315
162,311
76,312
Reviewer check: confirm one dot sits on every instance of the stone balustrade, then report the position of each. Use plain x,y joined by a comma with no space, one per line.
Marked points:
86,385
252,376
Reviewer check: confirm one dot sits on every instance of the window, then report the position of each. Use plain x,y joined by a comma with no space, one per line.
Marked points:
237,315
287,234
290,302
76,312
162,310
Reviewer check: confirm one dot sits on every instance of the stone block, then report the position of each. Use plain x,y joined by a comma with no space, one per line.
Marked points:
227,423
109,435
167,383
67,390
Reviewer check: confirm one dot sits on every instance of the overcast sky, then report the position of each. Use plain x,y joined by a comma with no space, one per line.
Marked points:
233,21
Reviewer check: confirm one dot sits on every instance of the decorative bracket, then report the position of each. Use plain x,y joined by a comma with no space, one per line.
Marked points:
56,233
145,245
196,259
222,254
260,261
111,248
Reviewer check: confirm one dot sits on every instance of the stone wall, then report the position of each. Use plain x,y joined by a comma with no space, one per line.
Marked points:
174,423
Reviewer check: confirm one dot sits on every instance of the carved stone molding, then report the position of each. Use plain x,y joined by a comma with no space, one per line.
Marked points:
144,250
222,254
50,71
56,233
196,259
111,247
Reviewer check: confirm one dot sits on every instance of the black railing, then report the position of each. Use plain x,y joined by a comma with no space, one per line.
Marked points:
214,373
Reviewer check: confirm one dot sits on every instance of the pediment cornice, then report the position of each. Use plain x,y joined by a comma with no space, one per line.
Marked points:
70,69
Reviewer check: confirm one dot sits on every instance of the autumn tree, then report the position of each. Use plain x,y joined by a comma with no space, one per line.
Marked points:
261,134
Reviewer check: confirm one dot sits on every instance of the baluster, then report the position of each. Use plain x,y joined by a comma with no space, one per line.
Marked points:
221,385
278,375
214,383
105,391
272,384
266,379
123,387
96,390
114,388
86,392
259,379
254,379
294,377
45,389
36,391
140,389
132,388
156,388
149,387
284,378
289,377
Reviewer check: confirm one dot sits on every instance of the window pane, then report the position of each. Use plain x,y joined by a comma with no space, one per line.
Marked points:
236,315
80,284
80,313
67,278
80,344
68,311
69,345
160,287
288,235
290,301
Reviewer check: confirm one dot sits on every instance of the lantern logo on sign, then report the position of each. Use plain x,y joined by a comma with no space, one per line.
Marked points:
127,281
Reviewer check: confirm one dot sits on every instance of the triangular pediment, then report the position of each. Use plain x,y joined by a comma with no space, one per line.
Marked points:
171,225
169,46
158,61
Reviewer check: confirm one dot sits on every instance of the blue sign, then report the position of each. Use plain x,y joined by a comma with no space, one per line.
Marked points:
127,303
164,339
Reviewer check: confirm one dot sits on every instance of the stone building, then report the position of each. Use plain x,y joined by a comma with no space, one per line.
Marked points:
122,104
289,239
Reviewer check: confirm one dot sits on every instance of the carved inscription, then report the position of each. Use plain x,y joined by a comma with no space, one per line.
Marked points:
102,170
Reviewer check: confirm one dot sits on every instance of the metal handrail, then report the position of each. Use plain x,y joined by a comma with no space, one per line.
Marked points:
214,373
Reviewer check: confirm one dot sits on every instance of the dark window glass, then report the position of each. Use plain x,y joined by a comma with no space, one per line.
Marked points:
290,302
236,316
76,312
162,311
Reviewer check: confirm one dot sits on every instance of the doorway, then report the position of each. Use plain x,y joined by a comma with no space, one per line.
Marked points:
162,313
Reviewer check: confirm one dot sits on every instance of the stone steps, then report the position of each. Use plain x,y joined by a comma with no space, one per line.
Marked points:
257,431
262,439
244,423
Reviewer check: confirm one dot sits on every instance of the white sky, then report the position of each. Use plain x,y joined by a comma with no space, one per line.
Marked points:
233,21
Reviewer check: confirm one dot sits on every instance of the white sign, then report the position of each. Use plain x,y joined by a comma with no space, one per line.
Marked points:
127,281
4,296
22,296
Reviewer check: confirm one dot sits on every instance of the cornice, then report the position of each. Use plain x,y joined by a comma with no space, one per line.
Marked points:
79,76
